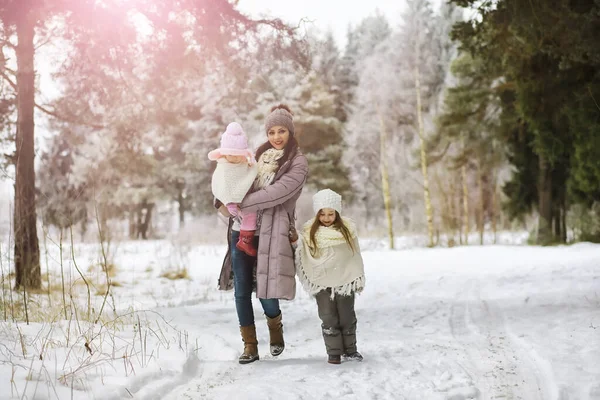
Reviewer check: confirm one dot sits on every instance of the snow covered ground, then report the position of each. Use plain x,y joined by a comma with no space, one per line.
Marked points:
491,322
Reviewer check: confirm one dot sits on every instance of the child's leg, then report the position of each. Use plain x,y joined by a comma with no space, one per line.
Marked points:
345,308
330,326
248,221
247,230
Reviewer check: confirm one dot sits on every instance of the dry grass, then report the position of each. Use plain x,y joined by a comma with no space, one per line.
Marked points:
112,269
181,273
101,290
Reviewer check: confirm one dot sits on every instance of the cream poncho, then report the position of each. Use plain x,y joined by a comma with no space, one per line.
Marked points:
231,182
334,265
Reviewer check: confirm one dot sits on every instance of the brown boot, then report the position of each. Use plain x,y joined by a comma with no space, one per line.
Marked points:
276,335
246,243
250,353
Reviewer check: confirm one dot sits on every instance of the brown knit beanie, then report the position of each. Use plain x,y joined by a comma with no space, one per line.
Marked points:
280,117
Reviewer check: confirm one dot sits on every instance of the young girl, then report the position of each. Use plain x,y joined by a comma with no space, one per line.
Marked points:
234,175
330,267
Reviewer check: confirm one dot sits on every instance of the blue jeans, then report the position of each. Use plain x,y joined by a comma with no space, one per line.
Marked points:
242,266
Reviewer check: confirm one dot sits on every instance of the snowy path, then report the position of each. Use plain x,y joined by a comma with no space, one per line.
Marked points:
492,322
500,365
464,323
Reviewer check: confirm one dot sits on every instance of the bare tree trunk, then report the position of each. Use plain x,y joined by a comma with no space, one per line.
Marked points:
447,212
144,218
465,198
133,226
27,251
557,219
564,216
494,211
385,183
454,209
104,231
458,199
480,222
84,225
181,204
426,195
544,234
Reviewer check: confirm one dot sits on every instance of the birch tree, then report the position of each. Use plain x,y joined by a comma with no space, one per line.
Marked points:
421,49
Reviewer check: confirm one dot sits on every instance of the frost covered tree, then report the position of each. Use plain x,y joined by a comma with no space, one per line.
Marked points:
320,133
421,48
356,80
61,202
362,41
141,109
399,92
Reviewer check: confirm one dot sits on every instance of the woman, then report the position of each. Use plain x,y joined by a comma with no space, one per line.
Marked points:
282,172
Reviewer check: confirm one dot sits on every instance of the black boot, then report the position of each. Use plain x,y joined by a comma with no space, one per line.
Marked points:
356,356
334,359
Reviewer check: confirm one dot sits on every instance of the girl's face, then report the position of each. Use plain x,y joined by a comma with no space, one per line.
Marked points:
278,136
327,216
235,159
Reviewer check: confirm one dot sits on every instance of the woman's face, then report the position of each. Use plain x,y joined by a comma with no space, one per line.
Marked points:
327,216
278,136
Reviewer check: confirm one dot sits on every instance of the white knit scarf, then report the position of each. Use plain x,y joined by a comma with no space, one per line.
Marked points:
334,265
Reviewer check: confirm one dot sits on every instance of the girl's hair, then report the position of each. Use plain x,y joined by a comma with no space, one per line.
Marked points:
337,224
291,146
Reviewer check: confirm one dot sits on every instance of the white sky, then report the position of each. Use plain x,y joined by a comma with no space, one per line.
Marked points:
325,14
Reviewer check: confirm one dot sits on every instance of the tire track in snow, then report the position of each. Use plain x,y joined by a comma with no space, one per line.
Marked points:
501,366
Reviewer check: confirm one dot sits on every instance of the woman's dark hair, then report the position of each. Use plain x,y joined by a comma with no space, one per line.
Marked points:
291,146
337,224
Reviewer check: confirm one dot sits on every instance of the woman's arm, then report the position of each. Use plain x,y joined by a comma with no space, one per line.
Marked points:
290,183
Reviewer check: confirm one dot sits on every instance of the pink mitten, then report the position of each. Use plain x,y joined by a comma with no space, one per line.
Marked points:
233,209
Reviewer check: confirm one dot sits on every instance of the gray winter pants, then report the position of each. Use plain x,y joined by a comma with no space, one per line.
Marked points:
338,322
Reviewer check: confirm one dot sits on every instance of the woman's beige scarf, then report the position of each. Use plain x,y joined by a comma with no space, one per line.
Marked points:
333,265
267,168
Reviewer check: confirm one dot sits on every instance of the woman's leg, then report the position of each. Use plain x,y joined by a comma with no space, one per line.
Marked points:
242,266
273,314
270,307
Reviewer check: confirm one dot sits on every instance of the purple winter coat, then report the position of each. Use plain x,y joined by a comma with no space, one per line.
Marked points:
275,268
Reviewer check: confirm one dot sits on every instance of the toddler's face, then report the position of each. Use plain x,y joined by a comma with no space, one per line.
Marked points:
327,216
235,159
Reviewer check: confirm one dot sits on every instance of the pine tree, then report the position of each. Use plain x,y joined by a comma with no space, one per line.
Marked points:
547,71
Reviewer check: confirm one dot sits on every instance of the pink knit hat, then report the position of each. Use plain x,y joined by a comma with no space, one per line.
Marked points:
234,142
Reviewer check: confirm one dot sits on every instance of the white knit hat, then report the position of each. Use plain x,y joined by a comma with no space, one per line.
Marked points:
327,198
